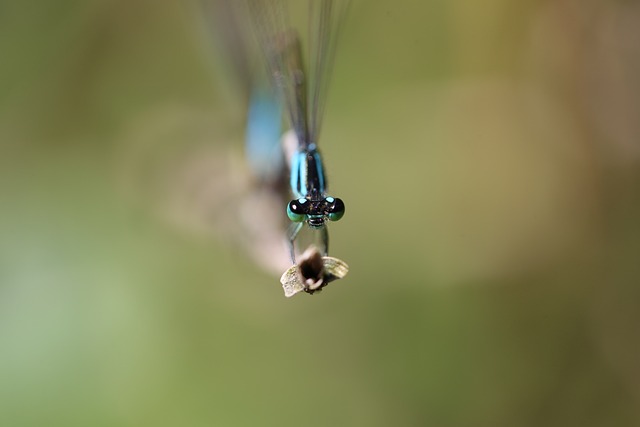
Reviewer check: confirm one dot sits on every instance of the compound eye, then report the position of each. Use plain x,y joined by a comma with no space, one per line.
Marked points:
335,209
296,210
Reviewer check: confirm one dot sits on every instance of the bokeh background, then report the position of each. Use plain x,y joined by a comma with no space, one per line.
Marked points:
489,156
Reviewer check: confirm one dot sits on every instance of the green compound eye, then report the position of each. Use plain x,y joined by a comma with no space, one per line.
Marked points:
336,210
296,210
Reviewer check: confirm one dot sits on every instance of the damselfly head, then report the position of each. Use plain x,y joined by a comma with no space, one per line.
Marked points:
315,212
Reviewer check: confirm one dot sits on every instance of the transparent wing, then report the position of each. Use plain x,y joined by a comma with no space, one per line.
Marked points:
326,19
280,45
303,94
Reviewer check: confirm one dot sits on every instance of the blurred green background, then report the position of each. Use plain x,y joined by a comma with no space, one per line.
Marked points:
489,156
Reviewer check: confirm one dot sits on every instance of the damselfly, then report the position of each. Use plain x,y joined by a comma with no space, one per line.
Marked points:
303,96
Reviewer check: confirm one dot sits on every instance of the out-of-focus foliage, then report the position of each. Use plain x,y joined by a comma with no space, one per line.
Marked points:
489,157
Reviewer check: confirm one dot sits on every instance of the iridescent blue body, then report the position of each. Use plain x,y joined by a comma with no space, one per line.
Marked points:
307,173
